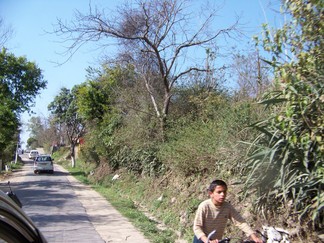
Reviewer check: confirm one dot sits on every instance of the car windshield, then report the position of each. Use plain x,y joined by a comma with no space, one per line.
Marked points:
44,158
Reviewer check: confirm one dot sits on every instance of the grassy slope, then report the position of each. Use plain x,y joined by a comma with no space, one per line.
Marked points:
137,199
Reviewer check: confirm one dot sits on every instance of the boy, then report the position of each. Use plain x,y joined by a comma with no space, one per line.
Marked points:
212,214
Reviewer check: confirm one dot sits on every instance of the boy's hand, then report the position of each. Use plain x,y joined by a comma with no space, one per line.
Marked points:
205,239
256,239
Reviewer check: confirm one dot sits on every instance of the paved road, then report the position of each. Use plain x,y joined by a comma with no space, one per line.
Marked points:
67,211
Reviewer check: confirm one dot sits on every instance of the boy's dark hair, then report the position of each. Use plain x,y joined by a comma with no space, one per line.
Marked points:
215,183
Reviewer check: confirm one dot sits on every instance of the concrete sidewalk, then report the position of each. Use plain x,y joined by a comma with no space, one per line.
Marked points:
107,221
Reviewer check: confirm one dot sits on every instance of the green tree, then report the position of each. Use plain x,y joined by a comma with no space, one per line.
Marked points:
32,143
101,100
287,163
35,127
20,83
97,95
64,109
9,125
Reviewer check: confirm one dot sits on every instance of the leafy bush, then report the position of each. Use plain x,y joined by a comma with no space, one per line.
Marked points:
140,161
203,145
288,159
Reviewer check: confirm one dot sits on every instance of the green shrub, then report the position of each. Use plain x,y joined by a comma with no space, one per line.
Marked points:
214,145
287,158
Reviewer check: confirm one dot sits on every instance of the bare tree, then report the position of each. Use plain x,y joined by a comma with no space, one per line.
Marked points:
5,33
161,37
252,73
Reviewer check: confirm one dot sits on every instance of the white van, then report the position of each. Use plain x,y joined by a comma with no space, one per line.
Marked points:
33,154
43,163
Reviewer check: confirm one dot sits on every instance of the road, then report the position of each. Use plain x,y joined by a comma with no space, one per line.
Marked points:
67,211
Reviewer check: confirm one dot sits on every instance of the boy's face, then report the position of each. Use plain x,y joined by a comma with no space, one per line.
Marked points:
218,195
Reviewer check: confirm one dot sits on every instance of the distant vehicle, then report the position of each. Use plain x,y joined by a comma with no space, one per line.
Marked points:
15,225
33,154
43,163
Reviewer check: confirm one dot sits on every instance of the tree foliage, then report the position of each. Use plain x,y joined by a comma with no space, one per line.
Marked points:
106,89
9,124
20,83
111,98
64,110
287,164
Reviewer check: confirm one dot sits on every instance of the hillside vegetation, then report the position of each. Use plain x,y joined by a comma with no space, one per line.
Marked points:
168,133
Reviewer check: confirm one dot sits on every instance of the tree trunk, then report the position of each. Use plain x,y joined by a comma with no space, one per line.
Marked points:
72,155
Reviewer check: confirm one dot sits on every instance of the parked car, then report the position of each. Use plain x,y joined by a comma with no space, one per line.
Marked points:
15,225
33,154
43,163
